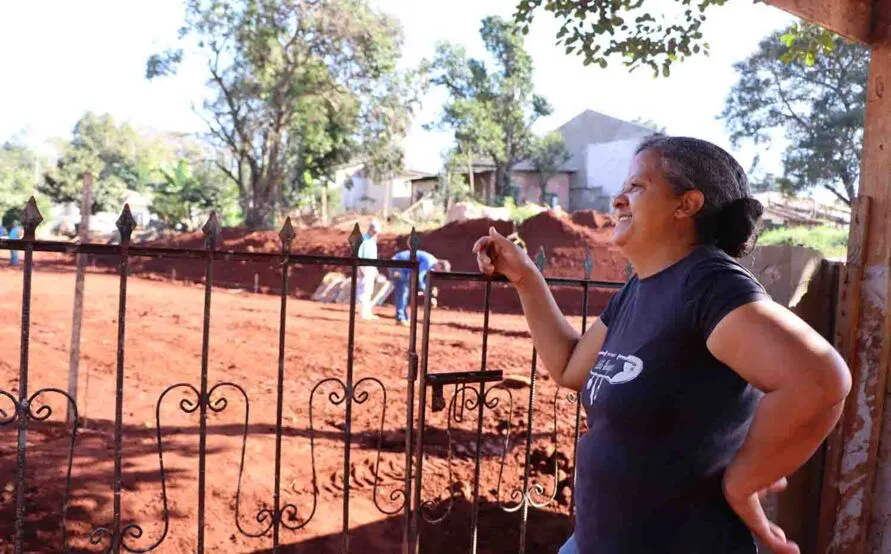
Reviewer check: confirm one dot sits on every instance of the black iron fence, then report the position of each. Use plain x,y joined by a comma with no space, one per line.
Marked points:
476,392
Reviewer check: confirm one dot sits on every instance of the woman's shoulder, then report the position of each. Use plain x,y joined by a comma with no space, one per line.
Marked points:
712,265
716,285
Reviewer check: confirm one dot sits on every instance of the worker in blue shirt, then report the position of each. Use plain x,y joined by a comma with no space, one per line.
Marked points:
402,279
15,232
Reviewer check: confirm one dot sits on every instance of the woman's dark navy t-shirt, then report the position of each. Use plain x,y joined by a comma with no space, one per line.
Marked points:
665,417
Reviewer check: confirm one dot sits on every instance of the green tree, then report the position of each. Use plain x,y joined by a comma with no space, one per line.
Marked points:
19,167
490,109
183,194
632,31
547,155
817,103
454,185
297,87
118,157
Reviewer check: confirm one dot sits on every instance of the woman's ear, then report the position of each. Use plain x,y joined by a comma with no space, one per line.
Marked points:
690,204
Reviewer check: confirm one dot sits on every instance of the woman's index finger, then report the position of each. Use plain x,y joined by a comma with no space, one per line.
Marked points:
478,245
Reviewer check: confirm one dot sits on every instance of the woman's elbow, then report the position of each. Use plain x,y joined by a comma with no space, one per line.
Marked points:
834,380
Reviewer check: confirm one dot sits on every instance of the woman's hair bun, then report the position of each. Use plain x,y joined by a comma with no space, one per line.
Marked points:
735,226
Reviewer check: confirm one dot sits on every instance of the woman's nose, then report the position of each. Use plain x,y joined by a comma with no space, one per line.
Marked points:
620,201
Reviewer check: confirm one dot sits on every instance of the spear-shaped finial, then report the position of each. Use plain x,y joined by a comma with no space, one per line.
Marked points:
211,231
31,218
589,263
541,259
355,240
125,224
287,235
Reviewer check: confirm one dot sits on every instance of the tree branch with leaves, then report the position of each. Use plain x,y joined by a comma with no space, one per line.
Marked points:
817,103
642,35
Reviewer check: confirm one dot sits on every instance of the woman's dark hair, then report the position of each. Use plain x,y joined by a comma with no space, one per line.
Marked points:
729,215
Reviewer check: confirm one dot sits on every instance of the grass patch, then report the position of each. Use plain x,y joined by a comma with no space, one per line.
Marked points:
832,242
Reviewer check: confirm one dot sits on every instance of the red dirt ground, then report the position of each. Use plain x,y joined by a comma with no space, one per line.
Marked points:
163,347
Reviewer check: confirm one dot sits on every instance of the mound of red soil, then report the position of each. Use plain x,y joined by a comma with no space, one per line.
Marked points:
565,244
593,219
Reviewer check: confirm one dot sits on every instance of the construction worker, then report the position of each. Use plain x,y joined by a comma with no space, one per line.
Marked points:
401,279
15,232
367,274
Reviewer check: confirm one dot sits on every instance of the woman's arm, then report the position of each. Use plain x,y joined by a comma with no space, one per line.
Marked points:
567,355
805,381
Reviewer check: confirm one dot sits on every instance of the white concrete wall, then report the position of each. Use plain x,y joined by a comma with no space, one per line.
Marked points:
607,164
367,195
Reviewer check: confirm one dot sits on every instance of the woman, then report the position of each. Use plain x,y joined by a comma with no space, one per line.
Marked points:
701,393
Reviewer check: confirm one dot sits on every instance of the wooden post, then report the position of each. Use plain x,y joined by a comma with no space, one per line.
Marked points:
388,193
865,479
852,19
845,338
863,487
84,237
470,173
325,203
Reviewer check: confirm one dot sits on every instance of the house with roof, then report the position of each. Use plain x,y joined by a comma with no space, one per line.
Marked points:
359,193
600,148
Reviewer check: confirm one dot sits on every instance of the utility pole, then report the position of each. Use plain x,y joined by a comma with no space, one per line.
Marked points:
83,237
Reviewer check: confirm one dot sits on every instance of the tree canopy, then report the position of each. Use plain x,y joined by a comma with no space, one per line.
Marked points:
119,157
818,104
298,89
640,34
491,108
19,167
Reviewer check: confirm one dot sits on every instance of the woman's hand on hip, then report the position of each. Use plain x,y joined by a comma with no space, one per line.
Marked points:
748,507
496,254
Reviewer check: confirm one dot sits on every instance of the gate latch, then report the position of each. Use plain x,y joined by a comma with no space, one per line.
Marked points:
438,380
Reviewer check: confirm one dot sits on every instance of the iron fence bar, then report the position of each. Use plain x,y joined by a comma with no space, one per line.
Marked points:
578,413
558,281
356,239
31,219
125,225
410,382
589,268
196,254
464,377
475,513
524,499
422,416
211,230
540,261
287,236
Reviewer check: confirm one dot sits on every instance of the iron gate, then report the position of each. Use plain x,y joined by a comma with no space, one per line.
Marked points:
472,391
24,408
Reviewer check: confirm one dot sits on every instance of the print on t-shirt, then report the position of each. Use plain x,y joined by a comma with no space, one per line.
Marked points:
613,368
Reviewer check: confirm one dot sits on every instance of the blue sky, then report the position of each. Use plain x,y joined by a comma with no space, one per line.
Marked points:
62,58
